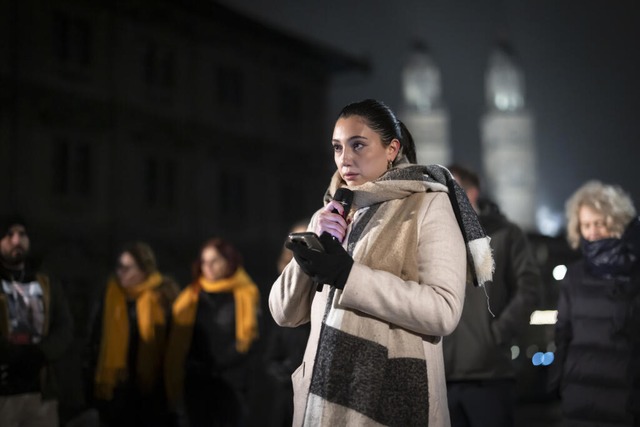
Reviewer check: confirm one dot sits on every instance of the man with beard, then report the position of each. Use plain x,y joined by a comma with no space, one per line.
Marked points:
35,330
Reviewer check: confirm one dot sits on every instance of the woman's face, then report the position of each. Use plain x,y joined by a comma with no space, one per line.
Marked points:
593,224
358,151
128,272
213,265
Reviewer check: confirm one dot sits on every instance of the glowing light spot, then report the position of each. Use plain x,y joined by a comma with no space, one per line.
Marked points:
515,352
544,359
549,221
537,359
559,271
544,317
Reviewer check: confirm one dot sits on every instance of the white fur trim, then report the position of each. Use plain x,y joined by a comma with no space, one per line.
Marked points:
482,259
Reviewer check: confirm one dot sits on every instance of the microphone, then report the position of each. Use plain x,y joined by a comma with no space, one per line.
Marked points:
345,197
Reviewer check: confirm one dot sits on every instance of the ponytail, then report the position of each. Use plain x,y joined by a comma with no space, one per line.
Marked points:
407,144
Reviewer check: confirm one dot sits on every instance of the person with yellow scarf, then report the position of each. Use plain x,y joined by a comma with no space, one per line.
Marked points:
214,325
131,340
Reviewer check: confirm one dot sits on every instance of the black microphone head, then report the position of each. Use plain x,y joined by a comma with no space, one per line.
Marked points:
345,197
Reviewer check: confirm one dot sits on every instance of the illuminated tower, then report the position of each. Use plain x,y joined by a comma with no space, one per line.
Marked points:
509,155
422,110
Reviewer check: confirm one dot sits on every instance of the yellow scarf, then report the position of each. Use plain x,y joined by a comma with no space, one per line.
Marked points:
246,297
114,346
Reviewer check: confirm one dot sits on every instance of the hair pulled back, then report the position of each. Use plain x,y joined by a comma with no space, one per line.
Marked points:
379,117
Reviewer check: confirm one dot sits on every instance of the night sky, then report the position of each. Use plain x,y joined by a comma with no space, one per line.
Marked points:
580,62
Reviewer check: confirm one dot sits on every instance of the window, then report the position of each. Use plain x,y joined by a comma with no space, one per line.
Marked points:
160,182
72,166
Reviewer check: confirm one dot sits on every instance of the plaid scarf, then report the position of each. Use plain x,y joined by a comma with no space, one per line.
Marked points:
418,178
367,369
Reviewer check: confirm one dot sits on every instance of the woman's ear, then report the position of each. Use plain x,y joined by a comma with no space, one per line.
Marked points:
392,149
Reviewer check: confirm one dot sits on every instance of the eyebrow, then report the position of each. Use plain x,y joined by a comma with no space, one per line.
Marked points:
352,138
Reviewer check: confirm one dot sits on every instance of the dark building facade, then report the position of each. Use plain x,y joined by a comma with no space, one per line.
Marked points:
167,121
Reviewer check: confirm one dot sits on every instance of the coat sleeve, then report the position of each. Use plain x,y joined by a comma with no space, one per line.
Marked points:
292,293
524,283
433,304
60,333
563,336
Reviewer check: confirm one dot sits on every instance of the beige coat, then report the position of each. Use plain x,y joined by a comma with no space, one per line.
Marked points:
430,307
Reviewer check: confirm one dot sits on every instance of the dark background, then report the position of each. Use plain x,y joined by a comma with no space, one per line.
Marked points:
582,81
580,61
248,174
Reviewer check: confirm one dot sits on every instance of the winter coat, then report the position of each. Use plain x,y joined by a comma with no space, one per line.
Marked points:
427,308
479,348
213,352
597,367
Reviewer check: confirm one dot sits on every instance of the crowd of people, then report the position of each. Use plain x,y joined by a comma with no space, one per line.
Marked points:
157,355
405,317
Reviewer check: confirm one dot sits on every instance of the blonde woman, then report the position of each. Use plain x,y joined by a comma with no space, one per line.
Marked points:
597,368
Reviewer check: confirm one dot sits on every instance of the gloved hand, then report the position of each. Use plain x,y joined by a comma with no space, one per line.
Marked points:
331,267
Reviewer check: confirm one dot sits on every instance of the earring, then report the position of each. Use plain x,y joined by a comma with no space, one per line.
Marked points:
389,164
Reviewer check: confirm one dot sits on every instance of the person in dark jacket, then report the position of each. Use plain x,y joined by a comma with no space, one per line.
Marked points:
597,367
284,353
35,331
479,370
129,338
214,329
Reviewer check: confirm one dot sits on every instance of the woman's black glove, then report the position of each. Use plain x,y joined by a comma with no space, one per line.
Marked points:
331,267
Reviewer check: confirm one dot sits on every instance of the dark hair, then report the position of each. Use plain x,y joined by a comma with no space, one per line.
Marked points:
143,256
10,220
379,117
226,250
466,177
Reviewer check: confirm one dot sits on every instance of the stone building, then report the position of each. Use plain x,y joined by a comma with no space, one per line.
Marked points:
166,121
423,111
508,140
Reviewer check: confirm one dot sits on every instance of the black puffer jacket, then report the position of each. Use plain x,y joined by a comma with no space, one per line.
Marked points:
479,348
597,369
